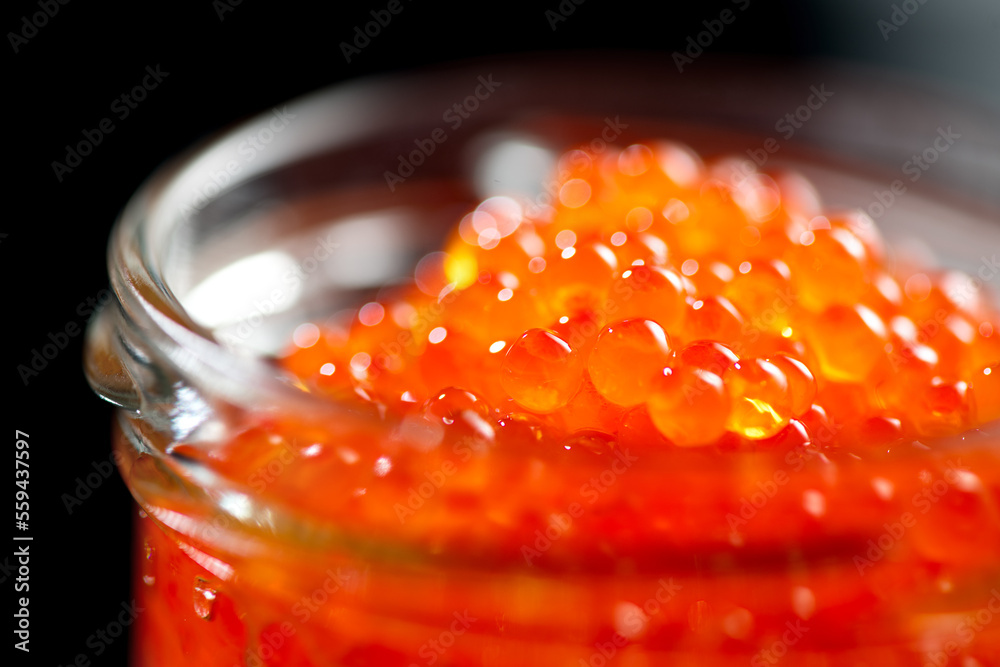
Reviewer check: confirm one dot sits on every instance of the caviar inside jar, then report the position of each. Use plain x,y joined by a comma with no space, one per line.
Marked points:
646,257
678,372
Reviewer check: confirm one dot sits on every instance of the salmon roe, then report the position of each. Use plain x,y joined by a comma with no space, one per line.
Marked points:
646,284
680,416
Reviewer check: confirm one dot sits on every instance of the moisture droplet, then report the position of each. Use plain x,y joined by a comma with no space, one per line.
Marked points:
591,440
148,564
204,598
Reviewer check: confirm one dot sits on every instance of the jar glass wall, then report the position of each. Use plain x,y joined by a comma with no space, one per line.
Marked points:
321,205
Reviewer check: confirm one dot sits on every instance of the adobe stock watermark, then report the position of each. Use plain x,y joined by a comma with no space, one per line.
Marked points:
582,331
274,637
31,24
40,357
795,460
291,279
434,481
86,484
787,126
780,647
363,35
6,569
764,320
103,637
913,169
965,632
408,339
562,12
267,473
631,620
900,14
122,106
248,149
961,290
454,116
223,7
560,523
696,44
432,650
610,131
955,475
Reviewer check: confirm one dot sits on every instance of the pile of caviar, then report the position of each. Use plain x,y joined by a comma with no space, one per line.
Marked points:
658,371
655,298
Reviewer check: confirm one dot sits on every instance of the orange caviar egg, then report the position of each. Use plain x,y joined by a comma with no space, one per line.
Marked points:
541,372
464,262
885,296
881,430
911,365
588,409
708,277
690,406
496,309
452,404
848,342
801,382
983,351
456,359
706,224
462,413
942,408
580,330
761,400
644,249
626,360
828,266
713,318
708,355
986,388
762,289
652,292
578,277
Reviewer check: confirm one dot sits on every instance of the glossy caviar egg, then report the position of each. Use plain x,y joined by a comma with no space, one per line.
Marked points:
650,292
638,249
541,371
762,289
708,355
690,406
983,351
713,318
849,341
578,277
801,382
986,385
762,403
942,408
627,359
452,404
821,254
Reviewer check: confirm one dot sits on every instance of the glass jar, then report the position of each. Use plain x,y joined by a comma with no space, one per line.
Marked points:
311,208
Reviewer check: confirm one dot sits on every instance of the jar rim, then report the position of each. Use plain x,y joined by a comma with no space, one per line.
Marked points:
148,324
158,208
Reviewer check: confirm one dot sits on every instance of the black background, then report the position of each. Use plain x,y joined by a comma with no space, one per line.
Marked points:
225,66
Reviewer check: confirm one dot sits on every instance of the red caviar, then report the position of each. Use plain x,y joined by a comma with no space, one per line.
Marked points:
819,309
751,363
